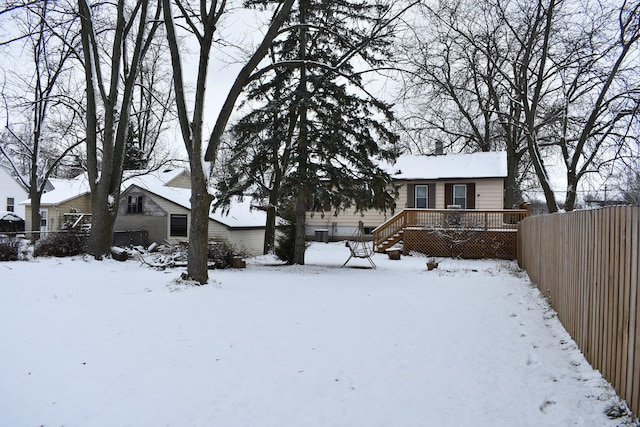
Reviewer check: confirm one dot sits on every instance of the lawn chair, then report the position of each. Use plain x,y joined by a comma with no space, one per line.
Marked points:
358,247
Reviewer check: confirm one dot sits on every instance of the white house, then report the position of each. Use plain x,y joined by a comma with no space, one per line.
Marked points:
12,192
468,181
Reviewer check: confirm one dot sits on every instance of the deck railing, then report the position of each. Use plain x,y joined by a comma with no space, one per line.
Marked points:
447,219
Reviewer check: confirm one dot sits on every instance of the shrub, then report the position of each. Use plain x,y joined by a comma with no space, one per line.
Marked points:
221,253
9,249
62,244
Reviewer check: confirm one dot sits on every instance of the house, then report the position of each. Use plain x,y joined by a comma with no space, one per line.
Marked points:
154,207
12,192
462,181
67,201
157,204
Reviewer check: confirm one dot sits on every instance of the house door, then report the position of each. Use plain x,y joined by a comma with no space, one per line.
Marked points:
44,219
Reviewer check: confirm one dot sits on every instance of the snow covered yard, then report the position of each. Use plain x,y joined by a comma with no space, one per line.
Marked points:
88,343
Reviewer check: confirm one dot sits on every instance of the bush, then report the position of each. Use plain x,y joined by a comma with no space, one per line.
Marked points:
221,254
9,249
62,244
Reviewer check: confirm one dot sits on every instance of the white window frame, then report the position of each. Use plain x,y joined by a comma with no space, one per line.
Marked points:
11,204
425,197
44,219
458,199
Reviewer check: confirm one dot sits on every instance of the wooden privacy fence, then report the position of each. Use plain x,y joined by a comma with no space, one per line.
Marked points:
586,263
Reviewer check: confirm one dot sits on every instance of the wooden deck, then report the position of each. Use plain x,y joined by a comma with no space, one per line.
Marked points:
452,233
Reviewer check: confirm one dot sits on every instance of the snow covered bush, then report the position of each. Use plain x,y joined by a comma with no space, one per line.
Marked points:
61,244
221,253
9,249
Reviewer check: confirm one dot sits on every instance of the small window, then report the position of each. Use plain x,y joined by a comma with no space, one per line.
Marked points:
11,204
178,226
44,220
460,195
134,204
422,196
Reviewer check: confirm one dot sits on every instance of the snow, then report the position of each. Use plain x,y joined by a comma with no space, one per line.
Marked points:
9,216
239,214
471,343
449,166
64,190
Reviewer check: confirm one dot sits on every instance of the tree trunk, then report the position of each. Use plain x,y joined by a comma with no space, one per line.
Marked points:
543,177
103,218
270,226
571,196
197,259
301,152
512,192
35,214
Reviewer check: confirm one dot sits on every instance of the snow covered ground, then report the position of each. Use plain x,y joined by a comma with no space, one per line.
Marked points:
87,343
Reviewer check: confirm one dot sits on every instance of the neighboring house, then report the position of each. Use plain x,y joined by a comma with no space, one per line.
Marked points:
463,181
12,192
154,207
158,204
67,201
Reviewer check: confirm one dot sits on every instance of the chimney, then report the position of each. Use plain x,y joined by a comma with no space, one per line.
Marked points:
439,150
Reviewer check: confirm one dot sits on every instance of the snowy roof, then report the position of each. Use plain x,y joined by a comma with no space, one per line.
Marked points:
448,166
9,216
154,178
64,190
240,213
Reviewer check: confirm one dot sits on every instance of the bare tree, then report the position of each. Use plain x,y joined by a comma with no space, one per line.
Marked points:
455,90
40,145
115,39
152,110
201,23
554,77
600,96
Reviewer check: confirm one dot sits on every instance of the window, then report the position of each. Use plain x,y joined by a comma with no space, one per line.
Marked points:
11,204
44,219
422,196
134,204
178,226
460,195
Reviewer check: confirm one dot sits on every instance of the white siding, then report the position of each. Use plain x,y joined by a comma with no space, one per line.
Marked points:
249,241
489,195
171,208
218,231
345,224
245,241
10,188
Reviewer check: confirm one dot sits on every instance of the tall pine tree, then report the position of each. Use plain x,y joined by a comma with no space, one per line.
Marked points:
314,135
